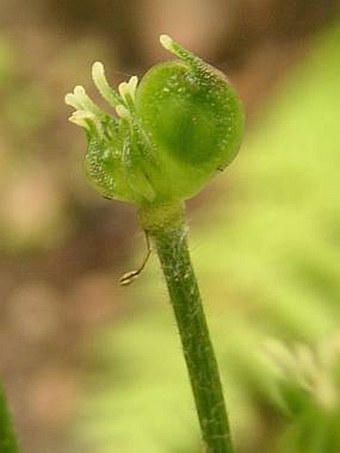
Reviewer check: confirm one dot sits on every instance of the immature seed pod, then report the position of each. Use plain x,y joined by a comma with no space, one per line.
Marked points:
172,133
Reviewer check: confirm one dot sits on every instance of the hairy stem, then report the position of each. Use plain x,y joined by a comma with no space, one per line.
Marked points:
8,441
165,225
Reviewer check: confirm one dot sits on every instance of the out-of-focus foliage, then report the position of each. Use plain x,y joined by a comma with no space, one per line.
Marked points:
267,255
48,265
27,191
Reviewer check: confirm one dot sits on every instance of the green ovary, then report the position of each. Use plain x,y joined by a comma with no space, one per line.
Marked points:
193,120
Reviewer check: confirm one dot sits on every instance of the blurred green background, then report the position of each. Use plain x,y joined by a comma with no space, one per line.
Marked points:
92,367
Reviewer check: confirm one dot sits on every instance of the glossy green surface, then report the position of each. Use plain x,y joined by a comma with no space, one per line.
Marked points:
195,121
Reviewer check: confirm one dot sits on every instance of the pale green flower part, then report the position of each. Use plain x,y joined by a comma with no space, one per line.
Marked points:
170,135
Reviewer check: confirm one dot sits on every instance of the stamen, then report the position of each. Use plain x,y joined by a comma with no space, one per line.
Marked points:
182,53
81,101
73,100
99,79
127,91
132,84
87,120
123,89
166,42
123,112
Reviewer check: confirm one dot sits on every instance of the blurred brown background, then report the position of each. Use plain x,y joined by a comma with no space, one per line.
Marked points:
62,246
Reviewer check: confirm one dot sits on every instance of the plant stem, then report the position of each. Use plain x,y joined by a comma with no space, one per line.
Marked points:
166,227
8,441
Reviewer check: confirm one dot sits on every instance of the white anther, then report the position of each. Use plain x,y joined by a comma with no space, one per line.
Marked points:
166,42
123,112
82,119
99,79
132,84
123,89
82,102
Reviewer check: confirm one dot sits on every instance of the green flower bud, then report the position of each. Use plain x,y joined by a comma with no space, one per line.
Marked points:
170,134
